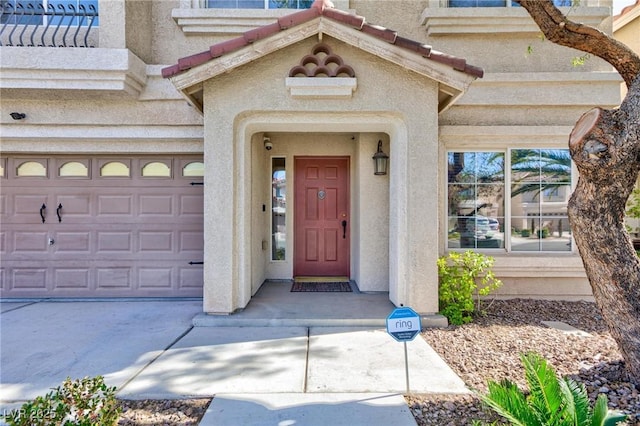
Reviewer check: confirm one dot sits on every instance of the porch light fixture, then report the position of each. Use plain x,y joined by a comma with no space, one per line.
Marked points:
18,115
380,160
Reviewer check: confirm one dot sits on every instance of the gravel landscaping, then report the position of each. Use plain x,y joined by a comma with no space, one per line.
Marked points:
487,349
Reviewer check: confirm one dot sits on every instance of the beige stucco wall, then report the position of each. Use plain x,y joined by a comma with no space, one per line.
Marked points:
236,108
630,33
627,31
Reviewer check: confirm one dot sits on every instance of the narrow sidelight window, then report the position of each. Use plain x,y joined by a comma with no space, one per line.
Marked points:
278,209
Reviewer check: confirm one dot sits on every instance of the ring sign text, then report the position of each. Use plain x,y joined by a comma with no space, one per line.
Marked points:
403,324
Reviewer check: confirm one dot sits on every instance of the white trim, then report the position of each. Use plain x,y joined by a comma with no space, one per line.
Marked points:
321,88
620,21
444,21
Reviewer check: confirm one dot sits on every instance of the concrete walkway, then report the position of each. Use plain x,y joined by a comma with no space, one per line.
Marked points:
258,375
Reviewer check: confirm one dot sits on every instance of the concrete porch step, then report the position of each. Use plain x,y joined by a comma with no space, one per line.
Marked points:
238,320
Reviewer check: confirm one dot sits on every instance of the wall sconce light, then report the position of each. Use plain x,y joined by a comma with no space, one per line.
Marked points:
380,161
18,115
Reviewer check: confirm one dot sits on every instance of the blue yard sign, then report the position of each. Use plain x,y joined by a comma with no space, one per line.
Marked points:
403,324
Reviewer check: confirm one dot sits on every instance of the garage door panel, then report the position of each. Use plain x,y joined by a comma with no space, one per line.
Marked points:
27,208
114,277
155,205
30,242
155,278
114,241
77,243
190,277
115,205
3,204
191,205
156,241
191,242
28,279
73,208
72,279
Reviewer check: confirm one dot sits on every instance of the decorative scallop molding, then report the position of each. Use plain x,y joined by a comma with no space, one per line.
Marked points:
321,74
322,62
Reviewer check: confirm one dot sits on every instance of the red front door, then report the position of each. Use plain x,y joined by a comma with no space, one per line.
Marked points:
322,225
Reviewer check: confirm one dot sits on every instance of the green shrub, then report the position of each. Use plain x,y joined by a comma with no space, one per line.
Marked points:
463,277
542,233
525,233
85,402
551,401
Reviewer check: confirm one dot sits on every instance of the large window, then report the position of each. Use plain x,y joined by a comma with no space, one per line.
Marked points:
259,4
522,210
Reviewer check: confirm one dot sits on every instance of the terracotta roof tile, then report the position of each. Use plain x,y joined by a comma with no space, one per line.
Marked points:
416,46
325,9
190,61
261,32
346,18
298,18
627,9
170,71
380,32
220,49
453,61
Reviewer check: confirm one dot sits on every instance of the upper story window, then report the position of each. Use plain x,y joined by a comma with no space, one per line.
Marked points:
498,3
65,13
259,4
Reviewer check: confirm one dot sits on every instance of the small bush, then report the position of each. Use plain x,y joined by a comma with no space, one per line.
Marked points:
463,278
85,402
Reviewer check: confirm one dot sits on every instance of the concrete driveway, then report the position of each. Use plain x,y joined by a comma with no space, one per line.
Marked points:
150,350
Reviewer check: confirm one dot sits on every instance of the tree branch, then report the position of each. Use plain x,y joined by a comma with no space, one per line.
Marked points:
560,30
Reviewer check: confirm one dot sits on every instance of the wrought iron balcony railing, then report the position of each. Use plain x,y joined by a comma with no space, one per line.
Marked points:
44,23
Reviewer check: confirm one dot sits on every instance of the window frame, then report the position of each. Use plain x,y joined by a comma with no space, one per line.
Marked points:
507,221
272,225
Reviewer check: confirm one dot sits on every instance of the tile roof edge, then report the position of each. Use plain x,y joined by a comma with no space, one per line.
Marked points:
627,9
321,8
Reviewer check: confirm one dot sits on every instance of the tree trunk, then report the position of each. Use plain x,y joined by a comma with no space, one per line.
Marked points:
605,146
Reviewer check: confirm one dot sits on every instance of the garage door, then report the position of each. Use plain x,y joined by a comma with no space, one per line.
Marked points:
101,227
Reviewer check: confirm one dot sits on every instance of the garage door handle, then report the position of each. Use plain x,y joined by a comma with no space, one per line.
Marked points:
196,263
58,212
42,211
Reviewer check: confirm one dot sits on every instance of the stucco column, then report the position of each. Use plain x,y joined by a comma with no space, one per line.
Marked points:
219,220
112,24
422,217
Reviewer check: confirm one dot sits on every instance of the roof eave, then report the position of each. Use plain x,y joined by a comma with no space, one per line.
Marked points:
453,83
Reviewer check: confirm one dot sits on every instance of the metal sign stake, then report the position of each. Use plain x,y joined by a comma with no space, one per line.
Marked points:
406,366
